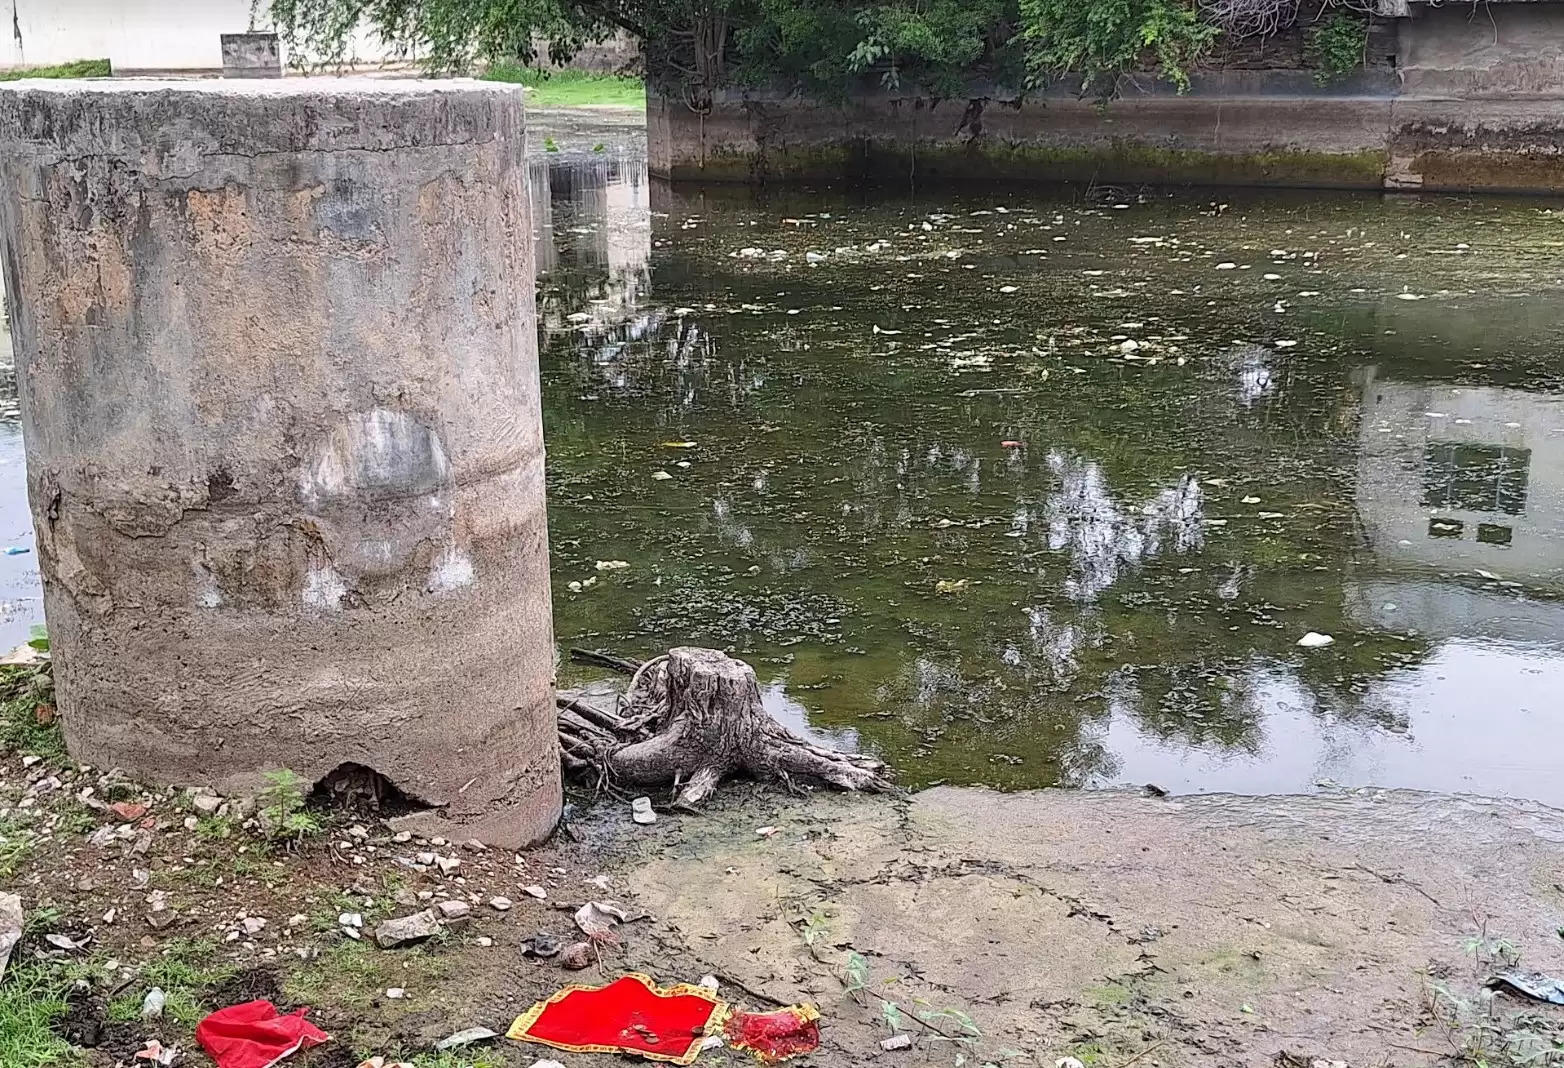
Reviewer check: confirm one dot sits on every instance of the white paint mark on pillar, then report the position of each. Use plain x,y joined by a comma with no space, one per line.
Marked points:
451,571
323,587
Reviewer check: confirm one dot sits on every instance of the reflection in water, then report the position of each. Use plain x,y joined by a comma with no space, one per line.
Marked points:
591,221
1022,491
21,603
1083,519
1463,478
1024,511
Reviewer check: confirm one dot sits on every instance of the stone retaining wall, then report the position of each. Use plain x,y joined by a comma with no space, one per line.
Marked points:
1467,106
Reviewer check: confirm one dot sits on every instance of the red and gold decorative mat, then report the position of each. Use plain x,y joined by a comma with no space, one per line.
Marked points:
630,1015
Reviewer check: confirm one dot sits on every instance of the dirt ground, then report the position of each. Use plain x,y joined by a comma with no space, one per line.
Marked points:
1010,930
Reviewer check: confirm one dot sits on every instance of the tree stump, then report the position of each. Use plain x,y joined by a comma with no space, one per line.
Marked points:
710,725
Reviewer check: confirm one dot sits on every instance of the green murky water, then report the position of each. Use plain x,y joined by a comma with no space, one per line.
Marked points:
1030,489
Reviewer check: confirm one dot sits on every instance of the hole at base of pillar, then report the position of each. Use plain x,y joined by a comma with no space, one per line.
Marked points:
358,788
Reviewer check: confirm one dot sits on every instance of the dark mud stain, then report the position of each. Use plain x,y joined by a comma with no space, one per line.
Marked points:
254,984
84,1025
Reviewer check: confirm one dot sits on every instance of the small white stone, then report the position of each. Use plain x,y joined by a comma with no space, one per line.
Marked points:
535,891
1316,640
500,904
395,993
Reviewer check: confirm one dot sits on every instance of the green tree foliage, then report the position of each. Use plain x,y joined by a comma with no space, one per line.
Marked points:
1335,47
825,47
1103,38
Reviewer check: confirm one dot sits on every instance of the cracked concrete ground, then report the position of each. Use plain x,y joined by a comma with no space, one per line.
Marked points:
1210,930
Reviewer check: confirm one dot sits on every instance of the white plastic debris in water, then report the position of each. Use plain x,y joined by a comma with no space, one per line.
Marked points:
1315,640
660,476
1008,289
612,565
1286,344
1227,265
1410,296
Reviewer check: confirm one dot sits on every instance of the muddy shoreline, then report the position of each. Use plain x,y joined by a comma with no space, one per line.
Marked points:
1006,929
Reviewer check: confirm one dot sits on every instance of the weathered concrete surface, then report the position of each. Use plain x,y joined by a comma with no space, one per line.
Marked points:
1472,104
1210,931
276,356
251,55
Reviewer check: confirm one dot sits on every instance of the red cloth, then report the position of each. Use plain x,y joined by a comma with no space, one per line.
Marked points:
775,1036
253,1035
629,1015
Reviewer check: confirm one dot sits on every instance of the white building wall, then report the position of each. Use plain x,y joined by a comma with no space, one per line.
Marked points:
133,34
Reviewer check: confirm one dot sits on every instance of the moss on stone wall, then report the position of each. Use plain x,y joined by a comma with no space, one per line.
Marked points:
993,161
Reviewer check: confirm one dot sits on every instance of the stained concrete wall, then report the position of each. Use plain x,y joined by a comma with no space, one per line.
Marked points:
1471,104
276,353
146,35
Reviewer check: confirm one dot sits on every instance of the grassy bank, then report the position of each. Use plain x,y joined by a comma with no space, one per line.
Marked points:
573,88
76,68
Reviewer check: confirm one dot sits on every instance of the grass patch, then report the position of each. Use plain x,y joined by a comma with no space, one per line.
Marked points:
76,68
23,691
186,971
1110,994
451,1060
32,1003
572,88
16,842
352,975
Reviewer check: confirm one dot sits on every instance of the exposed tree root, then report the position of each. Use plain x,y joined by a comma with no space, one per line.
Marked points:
692,718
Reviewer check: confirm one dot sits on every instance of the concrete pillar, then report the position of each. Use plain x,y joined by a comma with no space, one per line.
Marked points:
277,359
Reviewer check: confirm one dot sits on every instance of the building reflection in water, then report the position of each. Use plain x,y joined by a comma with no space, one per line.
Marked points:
592,238
1459,478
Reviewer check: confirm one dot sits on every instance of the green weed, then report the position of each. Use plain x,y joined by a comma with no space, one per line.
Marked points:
216,828
16,842
1335,47
32,1002
73,817
23,691
186,971
40,920
281,808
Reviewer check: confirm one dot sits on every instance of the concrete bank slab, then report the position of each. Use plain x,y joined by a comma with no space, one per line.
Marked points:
1189,931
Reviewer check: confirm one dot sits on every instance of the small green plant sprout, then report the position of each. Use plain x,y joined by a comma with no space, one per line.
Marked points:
280,808
549,145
